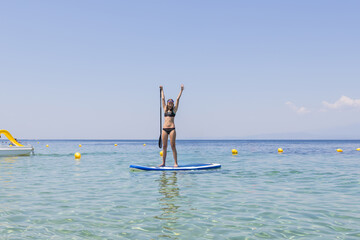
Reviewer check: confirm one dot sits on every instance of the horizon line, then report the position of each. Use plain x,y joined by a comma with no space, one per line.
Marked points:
194,139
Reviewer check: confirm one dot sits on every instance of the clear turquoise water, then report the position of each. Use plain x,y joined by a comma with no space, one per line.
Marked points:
308,192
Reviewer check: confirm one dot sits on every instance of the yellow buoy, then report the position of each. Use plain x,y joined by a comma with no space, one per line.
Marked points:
161,153
47,145
10,145
144,144
339,150
80,145
115,144
234,151
358,149
77,155
280,150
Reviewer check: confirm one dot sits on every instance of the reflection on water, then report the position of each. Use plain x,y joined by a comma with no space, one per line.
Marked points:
6,166
170,192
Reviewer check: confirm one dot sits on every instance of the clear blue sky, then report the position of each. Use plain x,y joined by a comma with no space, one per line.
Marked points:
267,69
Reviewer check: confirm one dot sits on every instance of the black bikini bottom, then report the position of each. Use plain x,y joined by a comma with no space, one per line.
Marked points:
168,130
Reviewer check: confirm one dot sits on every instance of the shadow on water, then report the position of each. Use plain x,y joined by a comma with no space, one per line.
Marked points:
170,192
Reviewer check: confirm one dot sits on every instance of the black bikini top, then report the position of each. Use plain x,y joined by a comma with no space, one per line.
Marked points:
169,114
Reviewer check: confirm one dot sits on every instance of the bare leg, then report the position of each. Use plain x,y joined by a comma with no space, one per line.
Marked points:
173,146
165,142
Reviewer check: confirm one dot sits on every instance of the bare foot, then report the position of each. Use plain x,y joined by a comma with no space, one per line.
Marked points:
161,165
175,165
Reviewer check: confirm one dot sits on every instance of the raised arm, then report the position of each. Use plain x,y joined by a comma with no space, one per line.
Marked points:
178,98
162,97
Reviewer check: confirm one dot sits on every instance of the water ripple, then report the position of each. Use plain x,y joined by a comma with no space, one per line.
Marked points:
309,192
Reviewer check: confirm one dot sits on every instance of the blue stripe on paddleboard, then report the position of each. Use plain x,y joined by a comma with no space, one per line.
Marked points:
180,168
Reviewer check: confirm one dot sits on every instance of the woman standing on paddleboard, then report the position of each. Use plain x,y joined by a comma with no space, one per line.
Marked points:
169,125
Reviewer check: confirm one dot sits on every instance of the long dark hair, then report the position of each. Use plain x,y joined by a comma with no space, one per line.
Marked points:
167,106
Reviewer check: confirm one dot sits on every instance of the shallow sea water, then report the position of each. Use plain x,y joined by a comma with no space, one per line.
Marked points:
308,192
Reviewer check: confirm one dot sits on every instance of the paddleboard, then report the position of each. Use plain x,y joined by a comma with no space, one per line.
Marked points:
202,166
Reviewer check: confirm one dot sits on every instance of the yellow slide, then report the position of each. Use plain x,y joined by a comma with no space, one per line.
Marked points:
11,139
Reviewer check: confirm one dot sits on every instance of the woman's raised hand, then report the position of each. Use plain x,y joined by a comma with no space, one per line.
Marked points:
161,87
182,87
